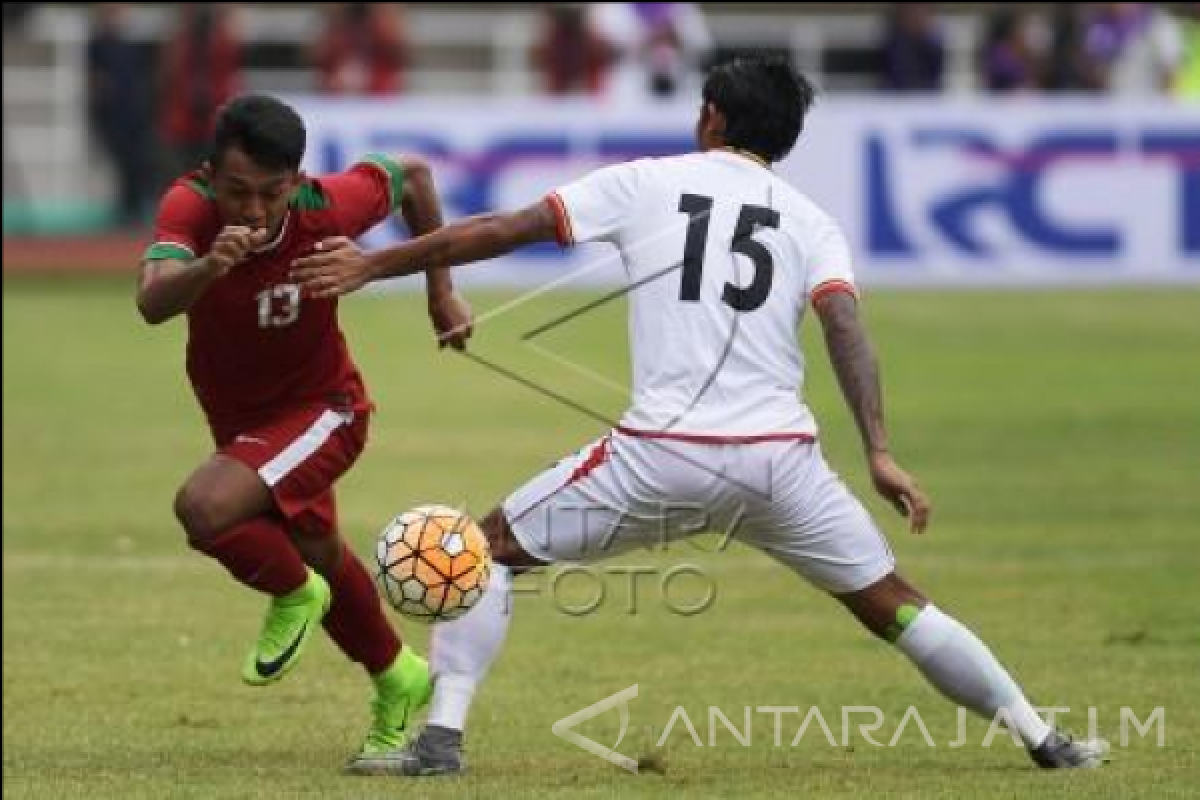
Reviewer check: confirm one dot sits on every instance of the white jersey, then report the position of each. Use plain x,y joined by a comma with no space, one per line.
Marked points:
723,258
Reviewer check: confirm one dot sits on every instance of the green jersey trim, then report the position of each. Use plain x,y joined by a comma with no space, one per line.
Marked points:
160,251
395,174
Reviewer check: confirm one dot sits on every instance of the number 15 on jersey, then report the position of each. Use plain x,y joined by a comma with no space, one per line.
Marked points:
739,298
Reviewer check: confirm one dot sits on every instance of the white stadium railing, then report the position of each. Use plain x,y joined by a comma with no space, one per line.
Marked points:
46,147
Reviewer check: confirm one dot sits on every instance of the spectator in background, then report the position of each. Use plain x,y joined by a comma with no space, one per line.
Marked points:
659,48
1138,46
568,54
1187,80
119,110
1010,60
201,71
1068,65
14,14
914,53
363,50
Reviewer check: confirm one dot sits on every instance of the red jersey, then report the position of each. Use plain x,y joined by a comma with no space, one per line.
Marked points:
256,346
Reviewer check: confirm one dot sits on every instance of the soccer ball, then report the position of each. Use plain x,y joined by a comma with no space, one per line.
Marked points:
433,563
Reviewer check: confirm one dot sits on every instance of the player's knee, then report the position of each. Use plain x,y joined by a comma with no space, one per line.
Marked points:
503,544
495,528
199,512
880,619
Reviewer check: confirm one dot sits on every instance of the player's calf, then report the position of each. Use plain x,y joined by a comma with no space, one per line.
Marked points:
462,651
356,621
962,668
321,550
882,606
225,509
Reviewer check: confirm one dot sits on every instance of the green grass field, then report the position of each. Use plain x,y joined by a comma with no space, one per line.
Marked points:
1058,433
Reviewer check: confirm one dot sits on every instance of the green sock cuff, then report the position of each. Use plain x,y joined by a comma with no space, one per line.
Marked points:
905,615
301,593
395,676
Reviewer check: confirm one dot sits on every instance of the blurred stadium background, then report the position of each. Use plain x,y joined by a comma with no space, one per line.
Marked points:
1045,106
1021,184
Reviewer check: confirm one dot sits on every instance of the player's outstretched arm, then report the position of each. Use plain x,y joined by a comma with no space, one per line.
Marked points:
338,269
168,287
857,370
422,212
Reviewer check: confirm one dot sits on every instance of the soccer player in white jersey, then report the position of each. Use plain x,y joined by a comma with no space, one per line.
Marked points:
725,259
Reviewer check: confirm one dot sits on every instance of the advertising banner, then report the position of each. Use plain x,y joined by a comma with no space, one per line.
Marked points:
985,192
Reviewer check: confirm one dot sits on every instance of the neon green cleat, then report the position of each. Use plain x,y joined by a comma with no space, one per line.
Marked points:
289,624
402,689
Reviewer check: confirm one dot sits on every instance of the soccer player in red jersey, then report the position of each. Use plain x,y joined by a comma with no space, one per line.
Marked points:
287,408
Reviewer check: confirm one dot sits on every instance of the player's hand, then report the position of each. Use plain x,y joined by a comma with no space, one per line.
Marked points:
901,490
452,319
233,245
337,266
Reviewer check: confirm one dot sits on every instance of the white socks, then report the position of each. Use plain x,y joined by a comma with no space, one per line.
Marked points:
950,656
964,670
461,651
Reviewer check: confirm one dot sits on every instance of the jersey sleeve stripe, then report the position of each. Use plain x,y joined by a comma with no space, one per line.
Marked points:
394,173
562,220
160,251
829,287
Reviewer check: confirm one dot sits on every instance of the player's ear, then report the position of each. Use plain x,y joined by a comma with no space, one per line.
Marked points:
711,131
716,120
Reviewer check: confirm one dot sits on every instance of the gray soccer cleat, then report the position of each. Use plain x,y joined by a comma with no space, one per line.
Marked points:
436,751
1060,751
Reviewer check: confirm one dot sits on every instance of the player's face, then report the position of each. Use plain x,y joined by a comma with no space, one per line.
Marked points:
246,194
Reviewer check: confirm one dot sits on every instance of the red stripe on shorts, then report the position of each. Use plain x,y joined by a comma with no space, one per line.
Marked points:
594,459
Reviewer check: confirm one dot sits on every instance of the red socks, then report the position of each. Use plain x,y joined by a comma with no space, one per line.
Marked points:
260,555
356,620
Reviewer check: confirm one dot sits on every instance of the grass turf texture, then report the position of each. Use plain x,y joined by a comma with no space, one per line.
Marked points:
1058,433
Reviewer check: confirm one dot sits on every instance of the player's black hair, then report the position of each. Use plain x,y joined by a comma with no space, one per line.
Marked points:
764,100
264,128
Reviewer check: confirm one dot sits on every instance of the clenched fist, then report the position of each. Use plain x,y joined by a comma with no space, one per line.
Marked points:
233,245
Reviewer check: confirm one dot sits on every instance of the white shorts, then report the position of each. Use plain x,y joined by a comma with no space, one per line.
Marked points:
623,492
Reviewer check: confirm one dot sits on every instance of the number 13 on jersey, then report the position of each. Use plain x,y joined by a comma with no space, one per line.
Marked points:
278,306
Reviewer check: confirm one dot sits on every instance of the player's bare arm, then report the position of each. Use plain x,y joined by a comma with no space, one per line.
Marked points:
168,287
340,270
857,370
422,212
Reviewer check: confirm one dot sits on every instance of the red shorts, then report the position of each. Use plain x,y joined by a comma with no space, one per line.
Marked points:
299,455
